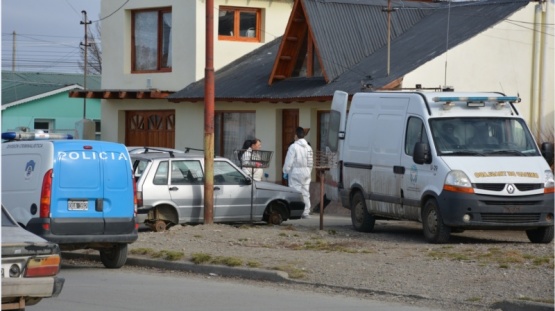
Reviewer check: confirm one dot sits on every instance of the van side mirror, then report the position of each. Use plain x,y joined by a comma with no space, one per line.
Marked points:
547,152
421,153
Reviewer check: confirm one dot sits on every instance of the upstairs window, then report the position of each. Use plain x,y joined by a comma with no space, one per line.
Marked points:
152,45
239,24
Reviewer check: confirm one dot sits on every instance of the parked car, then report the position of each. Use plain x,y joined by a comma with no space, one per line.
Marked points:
170,191
29,266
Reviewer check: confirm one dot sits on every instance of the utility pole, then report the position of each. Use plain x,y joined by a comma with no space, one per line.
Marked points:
86,46
209,116
13,53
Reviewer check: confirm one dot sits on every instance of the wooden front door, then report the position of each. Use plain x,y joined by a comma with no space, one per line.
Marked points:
154,128
289,123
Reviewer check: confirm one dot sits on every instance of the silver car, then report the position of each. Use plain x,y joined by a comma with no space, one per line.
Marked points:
170,191
29,266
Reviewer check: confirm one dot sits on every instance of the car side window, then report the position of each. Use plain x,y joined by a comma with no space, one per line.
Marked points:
186,173
226,174
161,176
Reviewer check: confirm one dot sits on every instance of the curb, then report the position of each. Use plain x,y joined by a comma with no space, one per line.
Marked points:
283,277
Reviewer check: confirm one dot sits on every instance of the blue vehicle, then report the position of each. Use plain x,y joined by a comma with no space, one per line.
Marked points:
79,194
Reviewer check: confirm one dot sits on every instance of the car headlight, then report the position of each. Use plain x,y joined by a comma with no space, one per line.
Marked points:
458,181
549,184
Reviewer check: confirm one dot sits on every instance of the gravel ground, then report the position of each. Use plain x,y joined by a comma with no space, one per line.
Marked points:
473,272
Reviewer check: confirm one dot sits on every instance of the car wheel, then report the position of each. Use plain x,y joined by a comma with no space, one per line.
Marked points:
159,226
114,257
540,235
361,219
274,218
435,231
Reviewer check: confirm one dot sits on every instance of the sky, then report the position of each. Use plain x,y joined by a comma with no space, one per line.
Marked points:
48,33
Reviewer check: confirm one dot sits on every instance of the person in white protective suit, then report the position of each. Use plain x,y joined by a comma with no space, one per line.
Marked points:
298,167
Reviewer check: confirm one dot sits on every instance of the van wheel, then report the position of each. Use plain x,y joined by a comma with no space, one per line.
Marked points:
114,257
540,235
361,219
159,226
435,231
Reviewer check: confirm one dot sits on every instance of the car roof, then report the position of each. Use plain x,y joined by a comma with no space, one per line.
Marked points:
164,155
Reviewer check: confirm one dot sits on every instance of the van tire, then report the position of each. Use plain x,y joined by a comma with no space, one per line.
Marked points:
362,220
435,231
540,235
115,257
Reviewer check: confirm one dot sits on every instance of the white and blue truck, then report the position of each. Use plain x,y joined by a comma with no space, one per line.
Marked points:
79,194
453,161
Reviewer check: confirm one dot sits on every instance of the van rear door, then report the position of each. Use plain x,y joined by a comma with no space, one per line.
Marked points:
91,189
334,144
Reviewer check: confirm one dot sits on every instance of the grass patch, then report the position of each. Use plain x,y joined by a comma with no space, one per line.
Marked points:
227,261
254,264
494,255
200,258
474,299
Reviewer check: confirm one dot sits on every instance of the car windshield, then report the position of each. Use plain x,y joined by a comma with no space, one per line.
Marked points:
7,221
482,137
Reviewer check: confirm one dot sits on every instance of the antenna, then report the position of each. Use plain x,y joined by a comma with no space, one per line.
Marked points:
447,42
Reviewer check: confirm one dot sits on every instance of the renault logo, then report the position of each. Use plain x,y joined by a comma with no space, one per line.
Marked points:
510,188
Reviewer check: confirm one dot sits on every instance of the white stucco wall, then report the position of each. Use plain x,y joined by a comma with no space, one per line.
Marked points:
501,59
188,40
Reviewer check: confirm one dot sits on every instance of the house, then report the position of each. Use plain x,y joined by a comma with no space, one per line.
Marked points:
288,78
40,101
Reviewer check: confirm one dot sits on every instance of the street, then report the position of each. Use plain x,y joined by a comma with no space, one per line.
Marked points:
93,288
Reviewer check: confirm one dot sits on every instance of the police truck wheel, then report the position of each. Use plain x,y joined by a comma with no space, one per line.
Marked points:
114,257
435,231
361,219
540,235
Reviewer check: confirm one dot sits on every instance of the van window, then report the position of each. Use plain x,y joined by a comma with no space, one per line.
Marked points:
416,133
333,130
484,136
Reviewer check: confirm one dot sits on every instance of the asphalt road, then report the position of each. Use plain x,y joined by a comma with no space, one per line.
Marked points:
93,288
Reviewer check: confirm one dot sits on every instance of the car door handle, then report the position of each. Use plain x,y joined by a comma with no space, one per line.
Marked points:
173,188
216,188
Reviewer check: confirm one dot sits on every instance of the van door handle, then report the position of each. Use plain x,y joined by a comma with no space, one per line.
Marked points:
99,205
399,170
173,188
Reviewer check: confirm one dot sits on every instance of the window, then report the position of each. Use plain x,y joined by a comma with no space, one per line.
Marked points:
161,176
416,133
225,174
97,129
231,129
45,125
239,24
186,173
152,45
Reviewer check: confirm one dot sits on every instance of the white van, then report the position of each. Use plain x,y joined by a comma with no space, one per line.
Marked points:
453,161
77,193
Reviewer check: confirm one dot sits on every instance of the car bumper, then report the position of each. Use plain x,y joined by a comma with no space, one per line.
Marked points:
32,287
496,212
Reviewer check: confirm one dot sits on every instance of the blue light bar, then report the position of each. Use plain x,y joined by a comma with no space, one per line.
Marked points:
34,136
477,99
